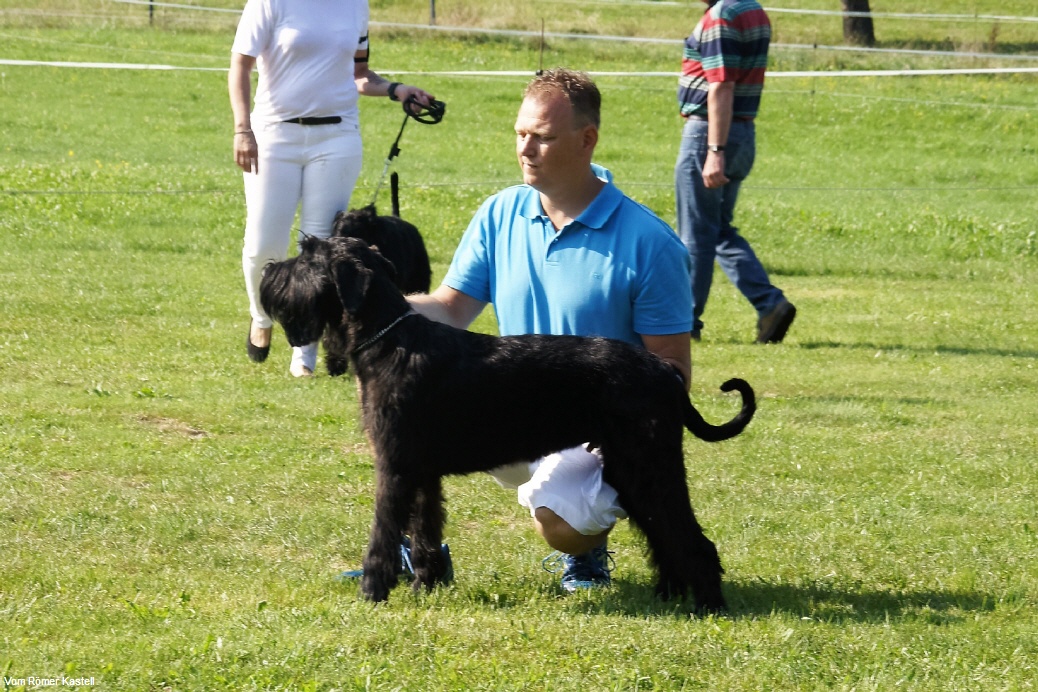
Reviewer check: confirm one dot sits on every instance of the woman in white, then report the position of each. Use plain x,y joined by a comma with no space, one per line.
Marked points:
300,146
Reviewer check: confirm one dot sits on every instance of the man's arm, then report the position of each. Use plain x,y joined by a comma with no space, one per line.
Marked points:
676,349
447,305
719,106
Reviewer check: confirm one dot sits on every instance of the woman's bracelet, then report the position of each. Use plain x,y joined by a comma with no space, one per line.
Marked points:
243,132
391,92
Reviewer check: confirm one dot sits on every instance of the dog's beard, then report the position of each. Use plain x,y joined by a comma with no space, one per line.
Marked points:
298,295
302,334
306,317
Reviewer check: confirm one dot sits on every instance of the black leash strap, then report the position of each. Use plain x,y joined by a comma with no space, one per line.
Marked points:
427,115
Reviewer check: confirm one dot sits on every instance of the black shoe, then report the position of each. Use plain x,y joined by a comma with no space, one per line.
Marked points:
256,353
772,328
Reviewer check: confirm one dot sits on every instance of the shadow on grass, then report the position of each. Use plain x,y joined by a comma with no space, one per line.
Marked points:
990,45
814,602
746,600
929,350
834,604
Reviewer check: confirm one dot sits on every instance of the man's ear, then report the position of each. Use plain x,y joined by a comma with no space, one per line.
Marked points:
590,137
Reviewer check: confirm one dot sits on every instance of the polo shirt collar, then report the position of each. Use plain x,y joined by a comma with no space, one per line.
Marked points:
597,213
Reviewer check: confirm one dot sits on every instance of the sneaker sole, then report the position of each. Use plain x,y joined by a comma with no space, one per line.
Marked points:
575,586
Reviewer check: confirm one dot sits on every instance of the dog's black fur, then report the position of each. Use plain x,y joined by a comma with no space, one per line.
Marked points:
438,400
399,241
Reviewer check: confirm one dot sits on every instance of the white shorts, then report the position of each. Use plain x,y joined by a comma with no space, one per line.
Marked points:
568,483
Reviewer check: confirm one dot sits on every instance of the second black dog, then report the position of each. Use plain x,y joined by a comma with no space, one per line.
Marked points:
399,241
438,400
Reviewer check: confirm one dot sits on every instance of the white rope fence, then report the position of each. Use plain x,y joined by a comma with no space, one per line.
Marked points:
690,5
517,33
650,40
528,73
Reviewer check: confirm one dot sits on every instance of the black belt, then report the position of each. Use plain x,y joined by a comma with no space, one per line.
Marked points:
328,120
738,118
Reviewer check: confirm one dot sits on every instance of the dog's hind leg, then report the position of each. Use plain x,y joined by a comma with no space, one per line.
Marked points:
427,520
657,503
394,497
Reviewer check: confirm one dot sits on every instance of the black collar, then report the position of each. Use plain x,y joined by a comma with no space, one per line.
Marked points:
382,332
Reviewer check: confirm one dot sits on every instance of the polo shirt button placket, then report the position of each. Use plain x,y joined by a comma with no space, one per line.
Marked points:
549,228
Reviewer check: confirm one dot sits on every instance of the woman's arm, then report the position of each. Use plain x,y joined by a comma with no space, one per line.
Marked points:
370,83
239,87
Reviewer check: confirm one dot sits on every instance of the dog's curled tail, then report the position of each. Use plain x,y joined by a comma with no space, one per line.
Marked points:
715,433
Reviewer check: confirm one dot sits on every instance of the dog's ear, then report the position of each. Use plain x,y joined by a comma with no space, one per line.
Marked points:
384,262
352,279
340,224
309,244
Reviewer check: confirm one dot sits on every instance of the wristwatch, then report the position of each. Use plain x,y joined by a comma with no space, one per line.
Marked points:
715,147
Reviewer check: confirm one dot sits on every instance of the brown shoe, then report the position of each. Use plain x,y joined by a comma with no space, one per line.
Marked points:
772,328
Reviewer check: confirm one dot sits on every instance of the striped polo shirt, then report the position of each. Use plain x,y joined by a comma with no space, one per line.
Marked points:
729,44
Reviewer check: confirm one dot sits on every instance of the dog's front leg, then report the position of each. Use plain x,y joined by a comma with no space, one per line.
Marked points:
394,496
430,563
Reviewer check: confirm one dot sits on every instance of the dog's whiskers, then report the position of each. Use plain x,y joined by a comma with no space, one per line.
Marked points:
382,332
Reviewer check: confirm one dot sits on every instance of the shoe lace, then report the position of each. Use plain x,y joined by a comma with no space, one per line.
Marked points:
405,556
554,562
582,567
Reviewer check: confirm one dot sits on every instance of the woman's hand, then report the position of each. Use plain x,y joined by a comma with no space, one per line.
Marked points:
406,91
246,152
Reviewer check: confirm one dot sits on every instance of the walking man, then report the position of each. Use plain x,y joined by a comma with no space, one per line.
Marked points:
719,93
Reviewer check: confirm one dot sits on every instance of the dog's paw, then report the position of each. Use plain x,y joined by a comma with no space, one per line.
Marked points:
713,604
337,366
373,589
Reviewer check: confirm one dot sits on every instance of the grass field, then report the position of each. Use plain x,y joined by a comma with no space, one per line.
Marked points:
172,515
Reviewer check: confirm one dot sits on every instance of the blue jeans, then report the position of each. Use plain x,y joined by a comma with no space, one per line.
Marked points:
705,219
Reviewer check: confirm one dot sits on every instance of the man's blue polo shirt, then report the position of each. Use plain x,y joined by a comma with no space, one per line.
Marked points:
616,271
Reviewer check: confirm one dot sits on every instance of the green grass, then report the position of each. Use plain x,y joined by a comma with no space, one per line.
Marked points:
172,515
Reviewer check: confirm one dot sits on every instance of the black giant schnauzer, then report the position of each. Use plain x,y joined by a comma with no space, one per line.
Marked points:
438,400
400,243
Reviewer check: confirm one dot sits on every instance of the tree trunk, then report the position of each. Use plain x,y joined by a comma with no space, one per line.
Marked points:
857,30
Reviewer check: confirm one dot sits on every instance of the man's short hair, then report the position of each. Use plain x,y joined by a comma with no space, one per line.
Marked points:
578,89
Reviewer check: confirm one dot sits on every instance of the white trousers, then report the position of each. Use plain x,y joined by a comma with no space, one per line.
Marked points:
312,168
568,483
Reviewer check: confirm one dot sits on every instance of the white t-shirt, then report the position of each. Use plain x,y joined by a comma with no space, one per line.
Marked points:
304,53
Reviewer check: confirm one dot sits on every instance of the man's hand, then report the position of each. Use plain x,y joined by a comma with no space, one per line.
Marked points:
713,170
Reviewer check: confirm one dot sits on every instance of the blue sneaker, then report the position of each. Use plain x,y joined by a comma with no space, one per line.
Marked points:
586,571
406,568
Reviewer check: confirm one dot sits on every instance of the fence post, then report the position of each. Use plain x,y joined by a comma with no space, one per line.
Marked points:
432,12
